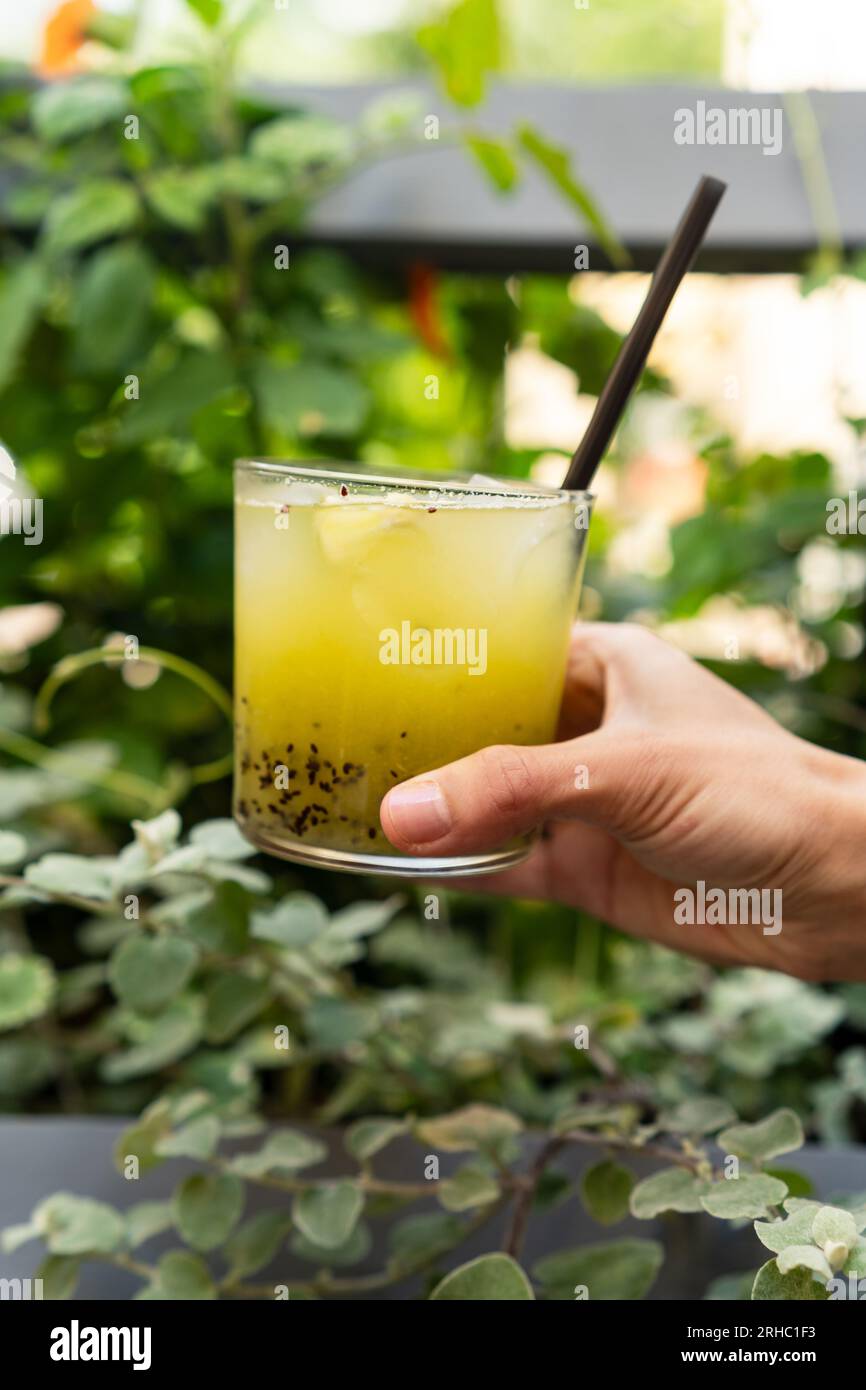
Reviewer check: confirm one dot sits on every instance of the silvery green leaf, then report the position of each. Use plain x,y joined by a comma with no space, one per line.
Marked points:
197,1139
146,972
294,922
287,1151
698,1116
207,1207
221,839
146,1220
771,1286
620,1269
366,1137
72,1225
795,1229
835,1225
255,1243
749,1196
27,988
72,875
183,1276
673,1189
803,1257
779,1133
328,1214
471,1186
13,848
486,1279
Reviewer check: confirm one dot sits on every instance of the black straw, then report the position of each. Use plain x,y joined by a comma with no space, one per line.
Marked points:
630,362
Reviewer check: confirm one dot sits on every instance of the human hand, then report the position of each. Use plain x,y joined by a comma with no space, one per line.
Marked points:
665,778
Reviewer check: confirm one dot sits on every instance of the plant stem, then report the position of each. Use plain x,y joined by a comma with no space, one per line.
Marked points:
529,1186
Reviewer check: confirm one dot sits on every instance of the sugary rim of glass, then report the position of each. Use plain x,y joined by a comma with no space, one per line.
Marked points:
361,474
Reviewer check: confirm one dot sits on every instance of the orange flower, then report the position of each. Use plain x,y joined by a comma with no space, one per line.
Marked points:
424,308
63,36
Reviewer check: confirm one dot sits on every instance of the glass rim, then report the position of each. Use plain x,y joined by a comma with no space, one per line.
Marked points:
341,471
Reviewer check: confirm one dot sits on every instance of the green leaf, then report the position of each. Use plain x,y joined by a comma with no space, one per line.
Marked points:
27,987
327,1215
797,1183
673,1189
772,1287
294,922
748,1196
183,1276
486,1279
622,1269
221,839
146,972
63,110
363,919
333,1024
309,398
423,1237
779,1133
96,209
698,1116
72,1225
233,1001
472,1127
471,1186
731,1288
605,1189
556,164
465,45
207,1207
209,11
254,1244
72,875
182,197
13,1237
366,1137
59,1275
496,160
804,1257
168,403
146,1220
198,1139
795,1229
21,299
351,1252
111,308
835,1226
140,1140
26,1065
295,143
287,1151
161,1039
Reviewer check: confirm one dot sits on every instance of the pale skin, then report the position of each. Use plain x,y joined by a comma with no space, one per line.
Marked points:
663,775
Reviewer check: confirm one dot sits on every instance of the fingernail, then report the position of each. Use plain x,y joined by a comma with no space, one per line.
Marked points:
419,811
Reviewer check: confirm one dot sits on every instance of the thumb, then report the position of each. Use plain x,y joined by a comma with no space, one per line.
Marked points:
482,801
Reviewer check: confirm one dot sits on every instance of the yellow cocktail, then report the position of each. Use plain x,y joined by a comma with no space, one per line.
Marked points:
383,627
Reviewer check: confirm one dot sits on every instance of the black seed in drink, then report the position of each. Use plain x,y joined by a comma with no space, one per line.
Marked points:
272,808
313,748
403,735
325,786
372,832
347,767
314,820
290,748
393,773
